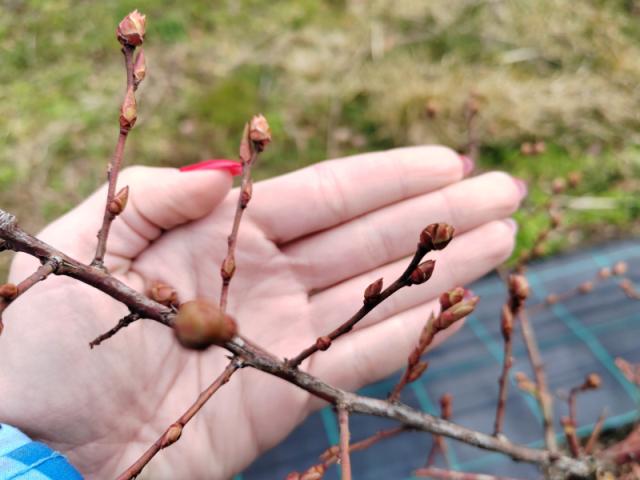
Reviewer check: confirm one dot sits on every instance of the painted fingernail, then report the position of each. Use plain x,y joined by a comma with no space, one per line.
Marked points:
231,166
522,187
513,225
467,164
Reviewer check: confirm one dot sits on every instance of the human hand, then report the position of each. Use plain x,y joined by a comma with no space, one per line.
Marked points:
311,241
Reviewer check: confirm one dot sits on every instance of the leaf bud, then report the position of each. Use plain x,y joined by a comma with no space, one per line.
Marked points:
172,435
452,297
323,343
139,67
163,293
228,268
372,291
259,132
585,287
436,236
518,286
128,111
314,473
131,29
8,291
422,272
455,313
200,323
119,202
604,273
592,382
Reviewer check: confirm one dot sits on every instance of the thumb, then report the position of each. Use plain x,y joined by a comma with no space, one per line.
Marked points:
159,199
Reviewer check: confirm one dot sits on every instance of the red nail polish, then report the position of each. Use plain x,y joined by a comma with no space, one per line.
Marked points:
231,166
467,164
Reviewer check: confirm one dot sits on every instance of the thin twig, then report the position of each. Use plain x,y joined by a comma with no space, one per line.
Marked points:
439,443
122,323
595,434
173,432
433,472
570,434
507,363
345,460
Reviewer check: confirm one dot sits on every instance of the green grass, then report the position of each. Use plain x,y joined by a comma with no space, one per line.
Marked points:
334,78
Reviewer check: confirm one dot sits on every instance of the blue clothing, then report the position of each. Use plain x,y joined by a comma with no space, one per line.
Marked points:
23,459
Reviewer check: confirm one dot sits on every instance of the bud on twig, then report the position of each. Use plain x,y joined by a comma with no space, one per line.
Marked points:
128,111
314,473
592,382
525,384
200,323
259,132
372,291
452,297
163,293
422,273
323,343
506,322
131,29
119,202
585,287
228,268
620,268
518,286
172,435
139,68
455,313
8,291
436,236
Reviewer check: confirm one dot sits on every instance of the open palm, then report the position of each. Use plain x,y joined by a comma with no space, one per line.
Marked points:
310,243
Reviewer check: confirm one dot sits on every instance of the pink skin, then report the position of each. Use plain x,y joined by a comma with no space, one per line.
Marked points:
310,242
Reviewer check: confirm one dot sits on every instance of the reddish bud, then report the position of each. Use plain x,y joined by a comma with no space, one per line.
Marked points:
259,132
119,202
372,291
518,286
526,148
436,236
8,291
506,322
330,453
245,146
539,147
452,297
585,287
455,313
172,435
314,473
228,268
131,29
323,343
446,406
417,370
604,273
592,381
163,293
574,178
139,67
558,185
620,268
422,272
128,111
552,298
524,383
200,323
293,476
246,193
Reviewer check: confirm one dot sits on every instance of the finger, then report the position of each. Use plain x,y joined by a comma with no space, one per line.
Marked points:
159,199
467,258
353,361
390,233
332,192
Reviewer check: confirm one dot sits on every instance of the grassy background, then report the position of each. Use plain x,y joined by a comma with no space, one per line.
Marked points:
333,77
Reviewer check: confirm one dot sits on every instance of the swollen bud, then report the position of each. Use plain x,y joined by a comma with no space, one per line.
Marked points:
314,473
422,272
8,291
518,286
163,293
372,291
228,268
131,29
436,236
119,202
200,323
452,297
585,287
172,435
455,312
592,382
128,111
259,132
139,68
506,322
620,268
323,343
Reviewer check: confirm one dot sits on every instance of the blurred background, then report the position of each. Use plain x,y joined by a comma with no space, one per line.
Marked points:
334,78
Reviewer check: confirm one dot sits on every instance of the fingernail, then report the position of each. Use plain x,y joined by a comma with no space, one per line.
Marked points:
513,225
522,187
231,166
467,164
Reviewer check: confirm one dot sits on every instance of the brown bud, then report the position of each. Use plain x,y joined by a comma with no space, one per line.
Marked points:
330,453
506,322
372,291
228,268
128,111
246,193
574,179
592,381
172,435
422,272
585,287
417,370
293,476
259,132
455,312
620,268
245,147
436,236
131,29
558,185
8,291
526,148
163,293
200,323
518,286
139,67
539,147
323,343
538,250
604,273
446,406
119,202
452,297
314,473
552,298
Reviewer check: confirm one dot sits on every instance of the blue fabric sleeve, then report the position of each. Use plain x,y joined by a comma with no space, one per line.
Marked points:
23,459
